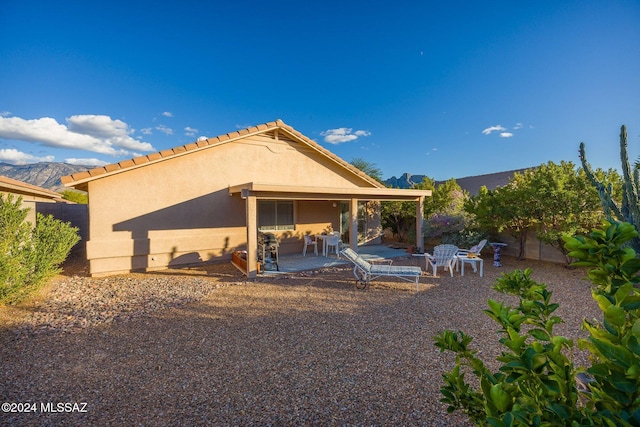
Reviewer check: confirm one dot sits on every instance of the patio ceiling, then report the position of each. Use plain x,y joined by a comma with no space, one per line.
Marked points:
276,191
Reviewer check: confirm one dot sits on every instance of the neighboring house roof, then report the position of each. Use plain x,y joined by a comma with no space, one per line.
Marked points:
80,180
472,184
9,185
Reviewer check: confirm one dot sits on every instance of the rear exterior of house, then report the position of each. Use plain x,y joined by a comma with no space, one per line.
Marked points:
191,204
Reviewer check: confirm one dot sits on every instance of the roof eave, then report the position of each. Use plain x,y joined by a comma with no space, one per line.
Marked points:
277,191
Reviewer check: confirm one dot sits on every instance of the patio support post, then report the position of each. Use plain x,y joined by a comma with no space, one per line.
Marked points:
252,236
353,224
420,223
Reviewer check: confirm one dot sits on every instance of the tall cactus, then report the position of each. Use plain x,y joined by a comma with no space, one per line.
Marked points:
629,210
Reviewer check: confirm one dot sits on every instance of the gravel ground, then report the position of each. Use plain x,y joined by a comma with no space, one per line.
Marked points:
206,347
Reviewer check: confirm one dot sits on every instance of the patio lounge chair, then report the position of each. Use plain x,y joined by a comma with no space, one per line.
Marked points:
365,272
443,256
474,249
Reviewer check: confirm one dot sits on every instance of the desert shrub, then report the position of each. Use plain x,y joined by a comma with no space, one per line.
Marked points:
29,255
76,196
455,229
14,237
443,226
536,382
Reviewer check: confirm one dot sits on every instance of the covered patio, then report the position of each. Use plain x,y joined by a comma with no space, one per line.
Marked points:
252,192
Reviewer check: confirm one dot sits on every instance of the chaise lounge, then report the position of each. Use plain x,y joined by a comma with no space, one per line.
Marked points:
365,272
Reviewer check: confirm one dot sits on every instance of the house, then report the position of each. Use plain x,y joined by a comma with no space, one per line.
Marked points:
28,192
202,201
46,202
31,195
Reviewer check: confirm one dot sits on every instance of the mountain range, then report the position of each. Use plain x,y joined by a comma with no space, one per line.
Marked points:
47,175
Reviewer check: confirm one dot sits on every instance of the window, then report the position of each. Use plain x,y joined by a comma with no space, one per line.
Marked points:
275,215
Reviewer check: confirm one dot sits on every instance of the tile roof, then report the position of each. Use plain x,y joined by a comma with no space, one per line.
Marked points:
77,179
21,187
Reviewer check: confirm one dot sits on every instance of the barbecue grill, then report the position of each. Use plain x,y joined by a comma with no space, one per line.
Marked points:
268,253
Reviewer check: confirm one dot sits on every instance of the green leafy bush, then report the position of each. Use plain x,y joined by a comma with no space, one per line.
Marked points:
536,382
456,229
75,196
29,256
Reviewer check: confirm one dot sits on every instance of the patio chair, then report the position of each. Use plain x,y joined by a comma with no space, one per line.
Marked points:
365,272
308,241
443,256
474,249
333,241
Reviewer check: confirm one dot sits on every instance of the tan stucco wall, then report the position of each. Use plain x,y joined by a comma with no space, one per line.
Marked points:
29,201
178,211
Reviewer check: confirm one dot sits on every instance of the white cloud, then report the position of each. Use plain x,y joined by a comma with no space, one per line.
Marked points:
100,134
85,162
506,135
5,113
488,130
517,126
15,157
167,114
104,128
164,129
201,138
362,133
189,131
146,131
340,135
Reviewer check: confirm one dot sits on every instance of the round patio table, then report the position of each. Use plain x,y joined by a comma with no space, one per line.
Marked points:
497,247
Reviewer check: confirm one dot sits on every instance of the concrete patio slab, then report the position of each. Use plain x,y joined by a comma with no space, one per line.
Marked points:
296,262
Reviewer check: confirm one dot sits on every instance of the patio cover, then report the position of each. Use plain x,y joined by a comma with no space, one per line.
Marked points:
253,191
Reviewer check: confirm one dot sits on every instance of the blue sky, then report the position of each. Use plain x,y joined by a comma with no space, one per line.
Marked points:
445,89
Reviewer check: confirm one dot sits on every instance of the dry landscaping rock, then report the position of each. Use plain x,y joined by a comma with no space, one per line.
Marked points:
207,347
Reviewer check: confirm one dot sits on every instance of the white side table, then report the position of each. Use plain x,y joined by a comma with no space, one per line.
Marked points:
464,259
